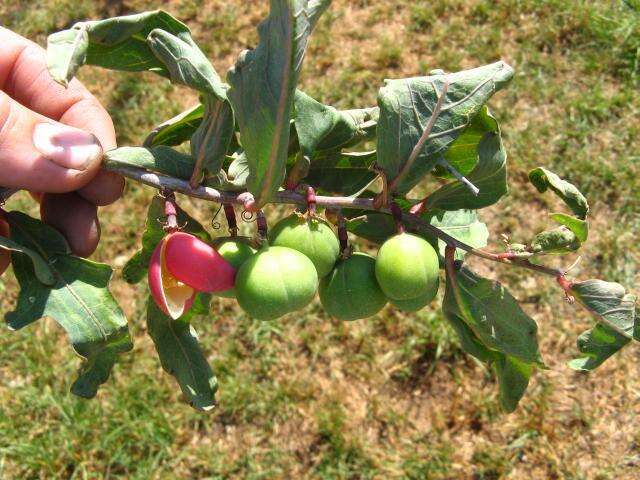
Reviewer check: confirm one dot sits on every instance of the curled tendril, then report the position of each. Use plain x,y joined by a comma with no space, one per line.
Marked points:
214,223
248,216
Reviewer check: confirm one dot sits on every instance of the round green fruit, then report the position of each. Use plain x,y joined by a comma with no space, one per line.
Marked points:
416,304
236,251
351,290
407,266
312,236
274,282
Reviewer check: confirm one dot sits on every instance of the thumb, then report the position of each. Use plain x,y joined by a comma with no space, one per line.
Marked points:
37,153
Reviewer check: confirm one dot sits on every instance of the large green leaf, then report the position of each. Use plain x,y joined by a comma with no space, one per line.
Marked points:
462,225
494,315
421,117
79,301
181,356
462,154
342,173
42,270
321,127
489,175
615,311
118,43
263,84
178,129
161,159
136,268
513,374
544,179
186,63
210,142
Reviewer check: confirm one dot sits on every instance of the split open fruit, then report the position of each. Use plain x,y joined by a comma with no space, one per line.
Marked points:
183,265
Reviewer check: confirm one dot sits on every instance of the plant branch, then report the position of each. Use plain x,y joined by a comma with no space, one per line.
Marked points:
160,181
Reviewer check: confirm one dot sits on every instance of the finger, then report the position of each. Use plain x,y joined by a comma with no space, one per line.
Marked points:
5,256
75,217
24,76
39,154
104,189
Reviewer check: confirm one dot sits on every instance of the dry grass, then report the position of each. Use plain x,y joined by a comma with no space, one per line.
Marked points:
390,397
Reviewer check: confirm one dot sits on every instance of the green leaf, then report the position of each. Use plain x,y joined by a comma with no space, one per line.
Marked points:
181,356
580,228
176,130
557,241
610,304
544,179
462,225
494,315
118,43
489,175
211,140
513,377
513,374
79,301
186,63
342,173
463,152
161,159
375,227
41,268
321,127
263,84
615,311
597,345
136,268
421,117
67,51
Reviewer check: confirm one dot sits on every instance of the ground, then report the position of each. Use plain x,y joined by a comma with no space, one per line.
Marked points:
393,396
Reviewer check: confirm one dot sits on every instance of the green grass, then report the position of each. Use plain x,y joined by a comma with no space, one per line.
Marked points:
393,396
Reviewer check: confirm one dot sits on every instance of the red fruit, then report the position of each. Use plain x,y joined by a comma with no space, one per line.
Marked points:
197,264
173,297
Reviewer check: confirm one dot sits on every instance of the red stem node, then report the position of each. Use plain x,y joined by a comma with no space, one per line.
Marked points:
397,216
311,200
230,213
566,286
261,221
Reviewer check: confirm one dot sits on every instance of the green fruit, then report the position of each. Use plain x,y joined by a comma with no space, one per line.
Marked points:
274,282
312,236
415,304
407,266
351,290
236,251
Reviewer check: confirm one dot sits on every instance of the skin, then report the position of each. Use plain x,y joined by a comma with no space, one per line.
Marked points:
313,237
28,97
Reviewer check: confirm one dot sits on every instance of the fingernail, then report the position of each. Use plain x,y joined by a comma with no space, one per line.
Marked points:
67,146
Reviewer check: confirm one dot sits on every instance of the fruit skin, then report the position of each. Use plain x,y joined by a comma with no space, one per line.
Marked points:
406,267
197,264
351,291
236,251
171,296
311,236
274,282
416,304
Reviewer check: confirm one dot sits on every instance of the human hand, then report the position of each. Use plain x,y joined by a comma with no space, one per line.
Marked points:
51,143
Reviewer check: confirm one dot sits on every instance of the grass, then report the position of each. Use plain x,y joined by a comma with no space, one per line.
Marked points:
393,396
